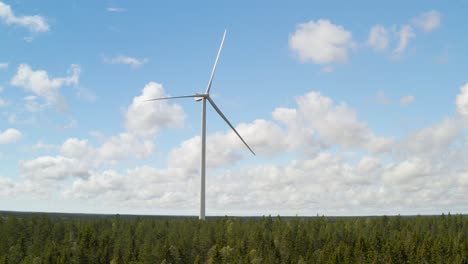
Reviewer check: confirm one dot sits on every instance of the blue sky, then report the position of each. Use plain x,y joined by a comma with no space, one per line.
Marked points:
354,108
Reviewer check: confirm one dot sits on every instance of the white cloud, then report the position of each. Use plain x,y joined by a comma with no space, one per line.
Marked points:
125,146
39,83
432,140
428,21
315,124
323,181
116,9
424,171
97,184
3,65
368,165
307,186
113,149
405,35
264,137
407,100
462,101
464,179
10,135
133,62
298,136
77,159
338,124
7,186
321,42
141,186
407,171
78,149
34,23
378,38
147,118
81,156
50,168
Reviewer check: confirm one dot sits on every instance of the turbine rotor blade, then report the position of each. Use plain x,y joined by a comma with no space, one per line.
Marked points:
229,123
208,88
173,97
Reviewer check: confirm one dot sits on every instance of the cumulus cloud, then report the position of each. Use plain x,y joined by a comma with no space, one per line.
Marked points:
133,62
39,83
81,156
428,21
321,42
463,180
97,184
433,139
53,168
407,171
325,182
10,135
139,187
368,165
407,100
462,101
378,38
338,124
315,124
297,136
405,34
76,148
125,146
3,65
113,149
264,137
311,185
34,23
261,186
77,159
147,118
425,170
7,186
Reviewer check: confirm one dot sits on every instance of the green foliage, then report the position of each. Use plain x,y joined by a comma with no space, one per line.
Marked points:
428,239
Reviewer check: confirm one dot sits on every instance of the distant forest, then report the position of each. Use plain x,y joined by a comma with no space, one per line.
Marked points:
33,238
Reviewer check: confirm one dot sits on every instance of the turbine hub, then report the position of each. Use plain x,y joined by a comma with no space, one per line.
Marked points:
199,97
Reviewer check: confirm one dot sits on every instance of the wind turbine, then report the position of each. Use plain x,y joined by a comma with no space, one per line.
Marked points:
206,97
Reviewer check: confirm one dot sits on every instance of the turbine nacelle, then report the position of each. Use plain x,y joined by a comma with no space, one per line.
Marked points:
199,97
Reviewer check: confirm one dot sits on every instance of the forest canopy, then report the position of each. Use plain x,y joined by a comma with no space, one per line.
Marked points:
118,239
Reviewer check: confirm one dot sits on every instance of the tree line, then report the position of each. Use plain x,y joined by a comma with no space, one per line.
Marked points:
137,240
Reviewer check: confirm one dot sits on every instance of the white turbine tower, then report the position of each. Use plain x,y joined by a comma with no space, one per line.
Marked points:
206,97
